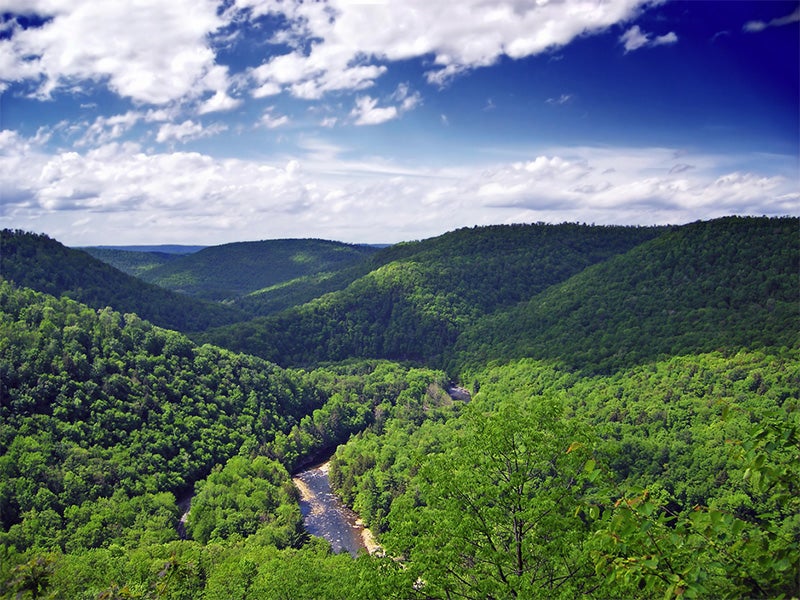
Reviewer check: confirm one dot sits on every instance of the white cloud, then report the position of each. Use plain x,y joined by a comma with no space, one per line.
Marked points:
634,38
667,38
157,52
121,193
267,89
271,121
756,26
407,99
562,99
150,51
366,112
220,101
349,43
106,129
186,131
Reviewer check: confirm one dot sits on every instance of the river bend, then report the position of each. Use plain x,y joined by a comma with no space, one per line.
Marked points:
325,516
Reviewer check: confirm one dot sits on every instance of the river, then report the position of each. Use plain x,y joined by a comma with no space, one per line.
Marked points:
325,516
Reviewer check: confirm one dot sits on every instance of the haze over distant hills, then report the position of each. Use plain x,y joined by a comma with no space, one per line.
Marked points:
157,248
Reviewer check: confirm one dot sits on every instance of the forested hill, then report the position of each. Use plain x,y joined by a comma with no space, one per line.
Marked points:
419,296
43,264
718,285
132,262
646,445
232,270
104,418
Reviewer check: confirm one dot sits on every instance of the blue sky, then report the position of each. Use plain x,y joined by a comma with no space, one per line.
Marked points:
211,121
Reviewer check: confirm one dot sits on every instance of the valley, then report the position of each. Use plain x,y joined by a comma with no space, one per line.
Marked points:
513,411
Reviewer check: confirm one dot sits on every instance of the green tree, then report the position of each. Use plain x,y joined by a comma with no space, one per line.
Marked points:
32,578
497,512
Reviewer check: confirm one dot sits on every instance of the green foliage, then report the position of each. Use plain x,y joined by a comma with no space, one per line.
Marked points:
101,413
246,497
646,443
132,262
644,543
725,284
494,515
230,271
360,395
245,570
43,264
31,578
419,296
676,478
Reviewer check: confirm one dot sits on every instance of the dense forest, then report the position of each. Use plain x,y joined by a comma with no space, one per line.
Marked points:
725,284
132,262
420,296
45,265
633,429
230,271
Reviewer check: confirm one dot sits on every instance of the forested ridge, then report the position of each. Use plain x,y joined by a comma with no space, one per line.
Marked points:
633,432
41,263
230,271
420,296
132,262
724,284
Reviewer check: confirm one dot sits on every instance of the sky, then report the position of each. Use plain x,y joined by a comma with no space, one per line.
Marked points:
214,121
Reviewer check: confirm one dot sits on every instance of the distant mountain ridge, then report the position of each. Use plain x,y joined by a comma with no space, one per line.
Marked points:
132,262
45,265
230,271
592,297
157,248
711,285
415,298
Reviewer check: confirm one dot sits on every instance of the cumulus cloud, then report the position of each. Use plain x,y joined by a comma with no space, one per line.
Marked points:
220,101
756,26
150,51
186,131
367,111
634,38
120,191
157,52
349,43
106,129
272,121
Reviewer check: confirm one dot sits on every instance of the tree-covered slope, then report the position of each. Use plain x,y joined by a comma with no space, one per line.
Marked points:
419,296
727,283
626,464
232,270
678,479
132,262
104,418
103,413
287,294
43,264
